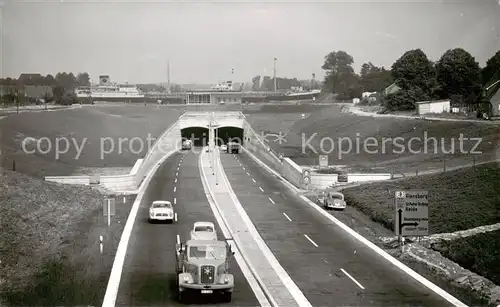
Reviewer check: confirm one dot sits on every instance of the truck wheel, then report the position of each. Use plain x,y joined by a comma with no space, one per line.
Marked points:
179,295
226,297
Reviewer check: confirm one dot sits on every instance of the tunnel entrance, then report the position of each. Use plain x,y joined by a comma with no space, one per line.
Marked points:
199,135
229,134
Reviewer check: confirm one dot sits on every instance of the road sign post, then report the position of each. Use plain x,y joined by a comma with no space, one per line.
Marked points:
411,213
306,177
109,208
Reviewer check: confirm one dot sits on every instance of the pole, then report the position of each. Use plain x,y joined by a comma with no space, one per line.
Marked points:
109,212
215,157
274,70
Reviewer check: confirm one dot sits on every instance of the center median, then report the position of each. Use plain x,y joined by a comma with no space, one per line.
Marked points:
273,279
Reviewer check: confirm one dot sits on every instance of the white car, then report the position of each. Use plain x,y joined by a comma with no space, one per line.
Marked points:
204,231
223,147
161,210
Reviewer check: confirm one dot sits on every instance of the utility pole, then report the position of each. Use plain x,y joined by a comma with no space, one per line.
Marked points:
274,70
168,76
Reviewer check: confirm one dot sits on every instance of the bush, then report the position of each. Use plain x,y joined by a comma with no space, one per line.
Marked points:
329,171
479,253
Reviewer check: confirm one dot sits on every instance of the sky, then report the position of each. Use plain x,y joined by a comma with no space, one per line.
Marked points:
133,41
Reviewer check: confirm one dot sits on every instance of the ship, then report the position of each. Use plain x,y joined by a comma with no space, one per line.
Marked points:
109,91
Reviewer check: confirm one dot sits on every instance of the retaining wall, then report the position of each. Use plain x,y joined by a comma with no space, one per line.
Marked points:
285,167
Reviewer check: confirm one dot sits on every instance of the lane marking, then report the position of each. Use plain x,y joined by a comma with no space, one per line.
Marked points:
261,189
292,288
175,200
248,272
425,282
243,168
255,182
352,278
325,261
178,239
272,201
177,168
175,188
175,180
117,269
175,216
248,173
287,216
176,174
310,240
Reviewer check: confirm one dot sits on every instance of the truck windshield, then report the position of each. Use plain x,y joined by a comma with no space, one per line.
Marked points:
207,252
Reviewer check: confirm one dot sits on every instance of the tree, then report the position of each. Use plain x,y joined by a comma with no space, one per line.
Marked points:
458,74
340,76
373,78
83,79
492,69
256,83
414,69
49,80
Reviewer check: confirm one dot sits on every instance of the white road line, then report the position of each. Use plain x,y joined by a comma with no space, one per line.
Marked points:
287,216
271,200
175,200
178,239
176,174
175,216
175,189
310,240
261,189
248,173
433,287
254,180
352,278
177,168
325,261
243,168
175,180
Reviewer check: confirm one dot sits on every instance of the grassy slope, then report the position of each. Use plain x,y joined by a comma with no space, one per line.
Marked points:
460,199
90,123
330,122
479,253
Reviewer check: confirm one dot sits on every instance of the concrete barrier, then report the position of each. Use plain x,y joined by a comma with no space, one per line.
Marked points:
83,180
323,181
360,177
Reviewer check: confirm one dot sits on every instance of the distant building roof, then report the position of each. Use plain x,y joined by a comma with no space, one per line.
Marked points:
391,89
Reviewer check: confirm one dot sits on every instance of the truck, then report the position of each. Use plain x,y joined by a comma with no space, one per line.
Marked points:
233,147
203,267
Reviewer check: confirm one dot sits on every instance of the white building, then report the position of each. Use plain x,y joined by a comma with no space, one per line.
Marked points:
435,106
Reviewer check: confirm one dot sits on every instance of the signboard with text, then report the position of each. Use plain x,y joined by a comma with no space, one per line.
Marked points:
411,213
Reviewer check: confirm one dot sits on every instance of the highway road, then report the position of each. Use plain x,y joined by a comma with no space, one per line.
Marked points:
148,277
329,266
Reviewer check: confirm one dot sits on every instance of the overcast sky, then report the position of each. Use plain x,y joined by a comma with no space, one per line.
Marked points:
133,40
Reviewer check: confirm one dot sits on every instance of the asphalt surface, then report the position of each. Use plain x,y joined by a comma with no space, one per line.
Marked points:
148,277
329,266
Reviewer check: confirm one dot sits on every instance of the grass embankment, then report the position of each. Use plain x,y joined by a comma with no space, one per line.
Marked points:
459,200
49,242
479,253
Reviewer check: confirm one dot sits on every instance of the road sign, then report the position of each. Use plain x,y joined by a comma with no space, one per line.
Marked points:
323,160
411,213
306,176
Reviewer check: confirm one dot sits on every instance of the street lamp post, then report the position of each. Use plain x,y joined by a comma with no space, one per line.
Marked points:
274,71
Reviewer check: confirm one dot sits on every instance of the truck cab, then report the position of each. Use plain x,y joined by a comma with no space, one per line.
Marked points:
202,267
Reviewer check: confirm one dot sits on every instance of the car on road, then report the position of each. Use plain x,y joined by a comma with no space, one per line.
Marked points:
223,148
334,200
187,144
203,231
161,210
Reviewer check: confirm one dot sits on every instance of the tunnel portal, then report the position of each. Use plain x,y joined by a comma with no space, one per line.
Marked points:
229,134
199,135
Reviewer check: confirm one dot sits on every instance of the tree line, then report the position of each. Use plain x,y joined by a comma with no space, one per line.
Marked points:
61,87
456,75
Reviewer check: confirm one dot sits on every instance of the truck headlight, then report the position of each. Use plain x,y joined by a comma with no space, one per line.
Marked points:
186,279
226,280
